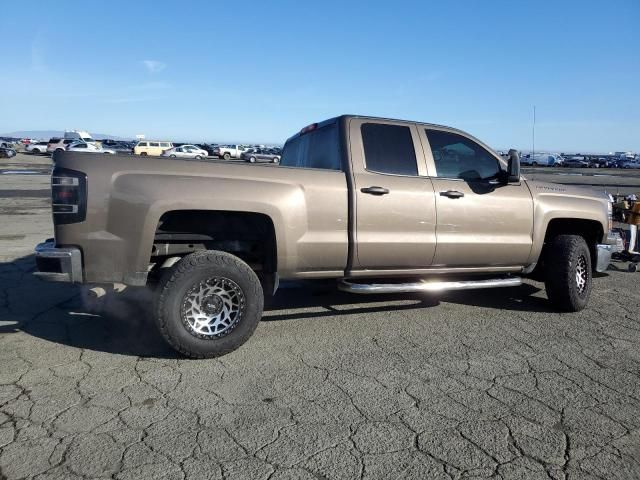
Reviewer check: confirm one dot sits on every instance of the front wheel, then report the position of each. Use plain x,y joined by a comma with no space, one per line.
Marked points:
209,304
568,272
198,157
252,159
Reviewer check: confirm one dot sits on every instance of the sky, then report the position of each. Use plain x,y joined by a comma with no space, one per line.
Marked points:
256,71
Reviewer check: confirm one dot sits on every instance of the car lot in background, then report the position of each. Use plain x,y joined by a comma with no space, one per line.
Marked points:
151,147
254,155
88,148
185,151
37,147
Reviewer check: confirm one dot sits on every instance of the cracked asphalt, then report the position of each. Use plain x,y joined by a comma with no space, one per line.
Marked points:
484,384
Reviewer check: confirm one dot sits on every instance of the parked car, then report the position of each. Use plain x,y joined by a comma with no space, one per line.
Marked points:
119,147
229,151
631,164
603,162
37,147
148,147
254,155
58,144
210,149
185,151
351,205
88,148
577,162
6,152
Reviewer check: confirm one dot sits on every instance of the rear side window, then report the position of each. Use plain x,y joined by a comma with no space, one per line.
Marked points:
389,149
456,156
315,149
154,144
142,144
164,144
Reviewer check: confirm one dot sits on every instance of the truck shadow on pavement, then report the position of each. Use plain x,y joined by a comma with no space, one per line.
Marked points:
122,323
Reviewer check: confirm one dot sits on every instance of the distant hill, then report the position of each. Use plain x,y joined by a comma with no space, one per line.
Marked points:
46,134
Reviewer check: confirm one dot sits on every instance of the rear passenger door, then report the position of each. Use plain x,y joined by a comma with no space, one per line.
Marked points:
394,200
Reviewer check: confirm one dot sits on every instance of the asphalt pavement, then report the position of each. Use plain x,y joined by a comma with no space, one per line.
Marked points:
476,384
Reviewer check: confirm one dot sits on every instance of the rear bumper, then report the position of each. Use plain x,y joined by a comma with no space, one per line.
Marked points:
603,257
58,264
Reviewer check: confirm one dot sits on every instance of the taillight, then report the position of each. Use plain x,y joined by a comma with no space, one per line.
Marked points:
68,196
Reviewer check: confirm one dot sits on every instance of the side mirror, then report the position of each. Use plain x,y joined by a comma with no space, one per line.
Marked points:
513,167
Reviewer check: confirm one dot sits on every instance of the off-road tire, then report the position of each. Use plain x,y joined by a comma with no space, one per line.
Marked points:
563,257
191,270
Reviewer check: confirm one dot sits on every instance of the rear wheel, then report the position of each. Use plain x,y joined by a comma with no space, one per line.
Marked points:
568,272
209,304
143,154
226,156
172,156
35,150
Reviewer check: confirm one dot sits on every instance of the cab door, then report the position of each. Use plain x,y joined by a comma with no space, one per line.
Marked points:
481,222
393,198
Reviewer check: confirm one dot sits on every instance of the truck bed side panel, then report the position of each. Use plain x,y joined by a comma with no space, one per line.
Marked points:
128,195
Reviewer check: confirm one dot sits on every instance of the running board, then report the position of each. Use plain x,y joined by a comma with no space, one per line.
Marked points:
427,285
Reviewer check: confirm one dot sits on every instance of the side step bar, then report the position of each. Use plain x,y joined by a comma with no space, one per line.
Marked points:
427,285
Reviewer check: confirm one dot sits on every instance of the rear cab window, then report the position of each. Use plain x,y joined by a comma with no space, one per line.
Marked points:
317,148
389,149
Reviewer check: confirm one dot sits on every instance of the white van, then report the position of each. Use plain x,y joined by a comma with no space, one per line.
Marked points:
79,135
542,159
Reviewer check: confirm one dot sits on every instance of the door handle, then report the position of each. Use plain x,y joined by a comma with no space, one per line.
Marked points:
452,194
375,190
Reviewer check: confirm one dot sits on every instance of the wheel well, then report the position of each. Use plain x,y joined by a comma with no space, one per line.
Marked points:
247,235
590,230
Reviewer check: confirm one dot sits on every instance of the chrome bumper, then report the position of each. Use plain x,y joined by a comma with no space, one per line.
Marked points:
603,257
58,264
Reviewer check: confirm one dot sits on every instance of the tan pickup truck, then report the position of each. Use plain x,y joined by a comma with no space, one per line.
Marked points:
381,206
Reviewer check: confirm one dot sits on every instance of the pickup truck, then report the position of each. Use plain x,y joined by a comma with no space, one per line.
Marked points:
378,205
229,151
